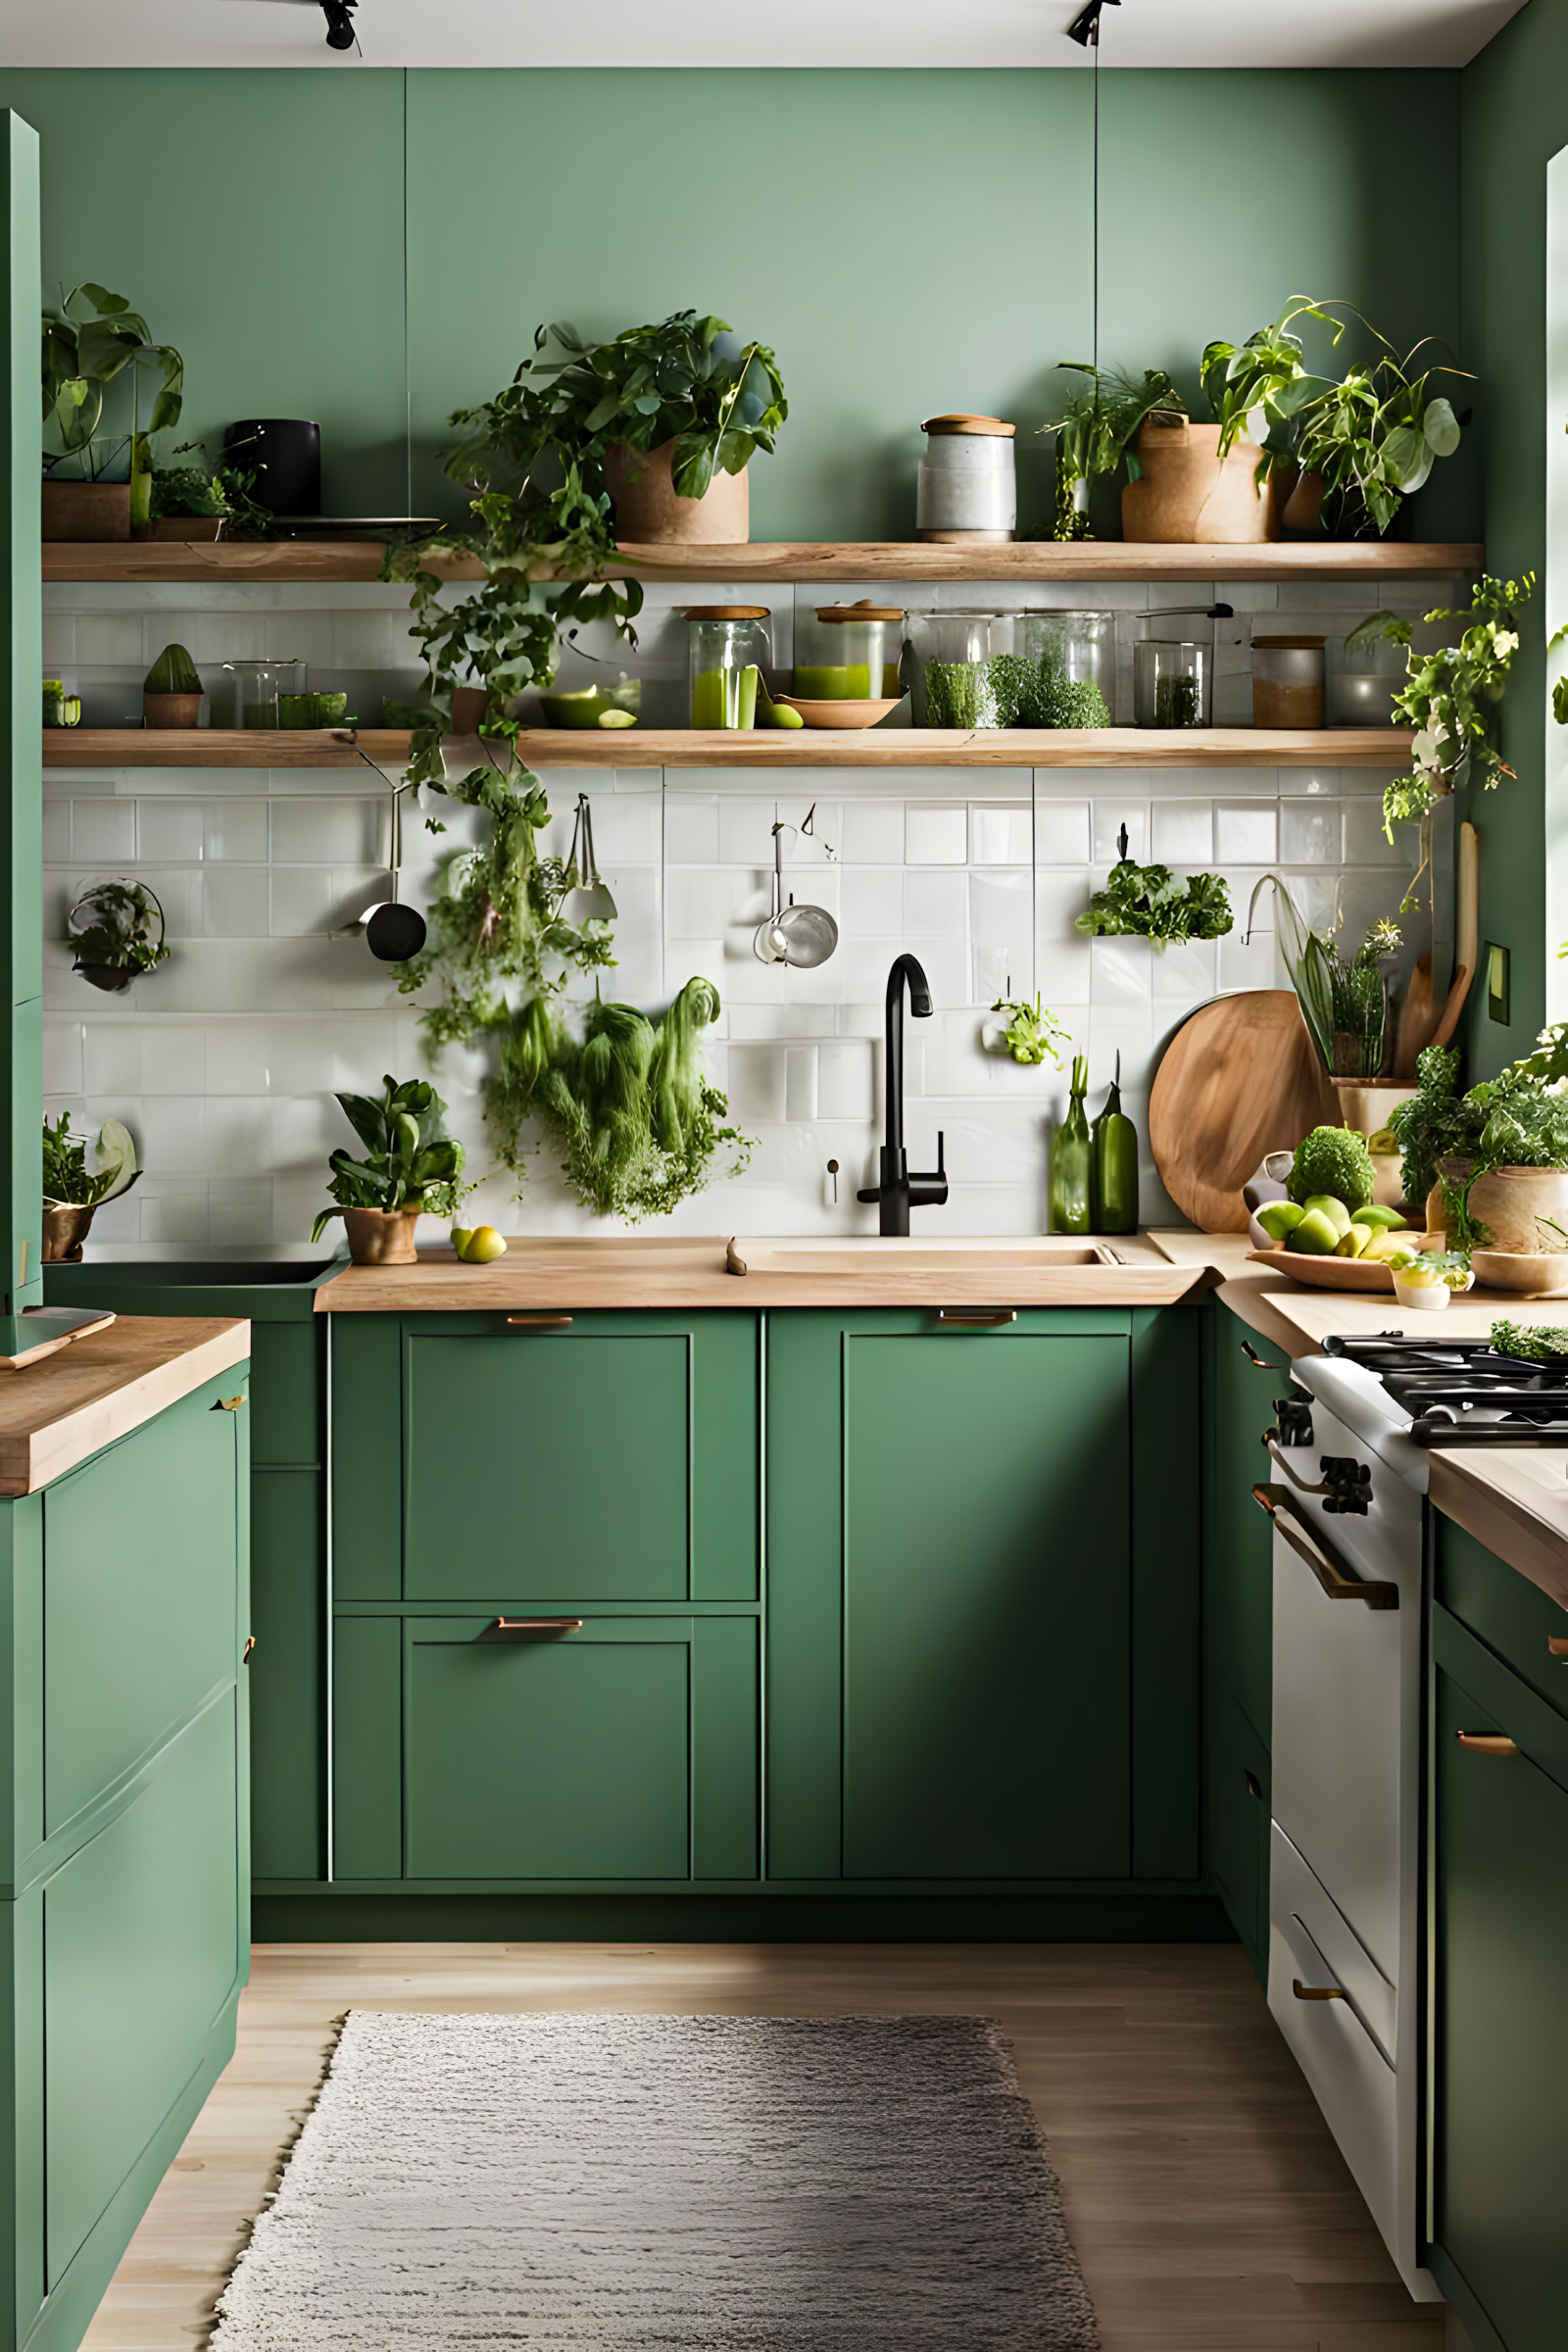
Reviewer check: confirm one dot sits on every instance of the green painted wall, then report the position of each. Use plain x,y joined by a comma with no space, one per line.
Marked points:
908,241
1514,117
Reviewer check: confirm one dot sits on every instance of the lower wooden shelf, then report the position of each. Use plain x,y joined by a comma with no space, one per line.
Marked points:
765,748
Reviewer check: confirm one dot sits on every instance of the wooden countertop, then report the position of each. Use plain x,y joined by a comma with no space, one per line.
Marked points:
103,1387
622,1274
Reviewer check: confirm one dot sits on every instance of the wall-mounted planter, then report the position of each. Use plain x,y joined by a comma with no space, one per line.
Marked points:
1188,495
94,511
647,511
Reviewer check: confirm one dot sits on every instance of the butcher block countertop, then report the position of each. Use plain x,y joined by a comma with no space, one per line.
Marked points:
691,1272
81,1397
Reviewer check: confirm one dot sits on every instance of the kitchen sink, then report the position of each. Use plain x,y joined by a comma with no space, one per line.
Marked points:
955,1254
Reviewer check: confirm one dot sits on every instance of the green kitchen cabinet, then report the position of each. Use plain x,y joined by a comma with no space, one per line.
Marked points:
612,1748
1242,1375
589,1458
123,1840
1499,1930
968,1584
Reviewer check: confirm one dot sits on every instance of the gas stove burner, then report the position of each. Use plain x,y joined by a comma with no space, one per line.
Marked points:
1463,1392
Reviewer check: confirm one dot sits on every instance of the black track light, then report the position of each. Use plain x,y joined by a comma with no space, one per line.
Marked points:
1084,29
339,15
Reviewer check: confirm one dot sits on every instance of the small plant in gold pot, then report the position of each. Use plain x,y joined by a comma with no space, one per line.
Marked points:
411,1169
72,1191
171,691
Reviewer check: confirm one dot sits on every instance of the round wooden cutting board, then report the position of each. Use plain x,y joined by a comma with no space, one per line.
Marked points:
1240,1078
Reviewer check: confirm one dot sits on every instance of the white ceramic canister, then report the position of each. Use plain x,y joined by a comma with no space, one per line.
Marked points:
967,486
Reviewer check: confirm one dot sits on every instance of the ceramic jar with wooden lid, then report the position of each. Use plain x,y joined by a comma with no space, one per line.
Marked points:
1288,681
967,489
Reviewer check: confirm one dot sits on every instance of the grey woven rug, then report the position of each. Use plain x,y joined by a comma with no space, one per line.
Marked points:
750,2184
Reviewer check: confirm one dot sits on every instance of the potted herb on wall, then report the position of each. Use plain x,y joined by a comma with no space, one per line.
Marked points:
91,338
117,929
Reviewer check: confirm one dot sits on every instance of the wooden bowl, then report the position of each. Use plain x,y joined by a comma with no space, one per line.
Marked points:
817,713
1542,1276
1327,1273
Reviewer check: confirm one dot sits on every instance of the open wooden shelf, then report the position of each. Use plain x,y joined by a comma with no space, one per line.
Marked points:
784,561
764,748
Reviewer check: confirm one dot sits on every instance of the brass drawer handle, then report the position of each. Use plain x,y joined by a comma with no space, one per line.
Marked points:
228,1404
1315,1992
1486,1744
1256,1361
245,1653
530,1629
1557,1646
976,1318
1330,1575
538,1322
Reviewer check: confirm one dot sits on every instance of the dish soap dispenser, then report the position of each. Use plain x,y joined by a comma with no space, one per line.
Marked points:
1071,1185
1113,1154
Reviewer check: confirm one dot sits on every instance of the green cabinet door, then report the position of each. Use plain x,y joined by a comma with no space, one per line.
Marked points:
1501,1933
949,1512
613,1460
624,1749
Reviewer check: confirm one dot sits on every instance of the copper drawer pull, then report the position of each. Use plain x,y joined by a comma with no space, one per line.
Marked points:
1487,1744
976,1318
1557,1646
1330,1575
1256,1361
538,1322
1315,1992
228,1404
530,1629
245,1653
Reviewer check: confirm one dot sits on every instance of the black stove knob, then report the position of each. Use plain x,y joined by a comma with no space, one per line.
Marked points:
1351,1482
1292,1420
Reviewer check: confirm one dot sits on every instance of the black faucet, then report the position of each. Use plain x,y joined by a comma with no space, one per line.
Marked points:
899,1192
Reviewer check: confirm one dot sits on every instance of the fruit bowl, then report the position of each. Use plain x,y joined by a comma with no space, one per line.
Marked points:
1327,1273
817,713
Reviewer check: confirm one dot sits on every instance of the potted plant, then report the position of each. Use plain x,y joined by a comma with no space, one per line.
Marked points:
1098,425
117,929
187,502
91,338
171,691
1350,448
71,1192
411,1169
1497,1158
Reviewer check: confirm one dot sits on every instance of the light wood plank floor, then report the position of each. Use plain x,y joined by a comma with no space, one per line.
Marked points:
1210,2209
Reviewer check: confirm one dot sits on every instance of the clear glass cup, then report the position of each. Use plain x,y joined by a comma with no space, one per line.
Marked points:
1071,658
1172,684
848,653
249,692
949,667
728,645
1360,686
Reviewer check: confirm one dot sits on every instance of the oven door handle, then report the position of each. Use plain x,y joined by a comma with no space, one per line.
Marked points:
1271,1441
1335,1580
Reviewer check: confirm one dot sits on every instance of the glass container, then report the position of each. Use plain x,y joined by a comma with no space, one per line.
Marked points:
727,645
1070,1185
1068,672
1288,681
1172,684
1361,685
951,668
966,489
249,692
848,653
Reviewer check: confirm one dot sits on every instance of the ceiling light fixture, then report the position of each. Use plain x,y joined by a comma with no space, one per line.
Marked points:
340,33
1085,27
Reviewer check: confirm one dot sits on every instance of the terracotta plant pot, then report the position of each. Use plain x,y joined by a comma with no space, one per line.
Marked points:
1304,508
1541,1277
382,1237
171,709
187,527
1187,496
65,1230
648,512
468,708
1368,1107
94,511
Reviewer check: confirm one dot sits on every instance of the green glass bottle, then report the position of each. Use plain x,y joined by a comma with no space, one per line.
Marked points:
1113,1151
1070,1190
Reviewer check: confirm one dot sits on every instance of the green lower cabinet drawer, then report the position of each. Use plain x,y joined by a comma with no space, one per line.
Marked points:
1510,1614
624,1751
1237,1775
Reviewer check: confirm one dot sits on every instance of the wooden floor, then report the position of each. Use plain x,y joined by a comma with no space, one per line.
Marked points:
1210,2207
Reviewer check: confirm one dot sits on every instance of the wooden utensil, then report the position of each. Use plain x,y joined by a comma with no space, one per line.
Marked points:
1467,934
1418,1017
1240,1078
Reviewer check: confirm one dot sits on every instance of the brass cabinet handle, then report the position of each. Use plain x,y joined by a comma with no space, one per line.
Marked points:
1315,1992
530,1629
1256,1360
976,1318
245,1653
228,1404
1487,1744
1336,1582
1557,1646
538,1322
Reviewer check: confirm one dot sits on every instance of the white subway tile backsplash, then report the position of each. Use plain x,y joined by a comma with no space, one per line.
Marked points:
874,833
102,829
236,832
1184,832
1310,832
1119,973
1061,830
935,836
172,829
1001,836
691,830
1245,833
1112,816
936,904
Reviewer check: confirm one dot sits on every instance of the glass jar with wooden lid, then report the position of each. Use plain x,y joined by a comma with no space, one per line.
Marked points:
726,647
848,653
1288,682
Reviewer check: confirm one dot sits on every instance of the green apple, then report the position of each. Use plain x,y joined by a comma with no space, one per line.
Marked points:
482,1246
1338,1216
1316,1234
1372,1214
1279,1218
1354,1243
458,1238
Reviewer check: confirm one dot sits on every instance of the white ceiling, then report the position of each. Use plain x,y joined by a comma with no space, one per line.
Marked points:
717,32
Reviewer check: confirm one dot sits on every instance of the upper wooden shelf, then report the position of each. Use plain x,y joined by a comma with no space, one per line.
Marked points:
785,560
763,747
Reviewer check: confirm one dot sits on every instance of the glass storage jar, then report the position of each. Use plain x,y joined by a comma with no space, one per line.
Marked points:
1288,681
1361,685
1068,674
250,692
1172,683
848,653
727,645
950,667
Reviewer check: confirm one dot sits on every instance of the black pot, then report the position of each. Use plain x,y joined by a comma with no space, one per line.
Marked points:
284,454
115,978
